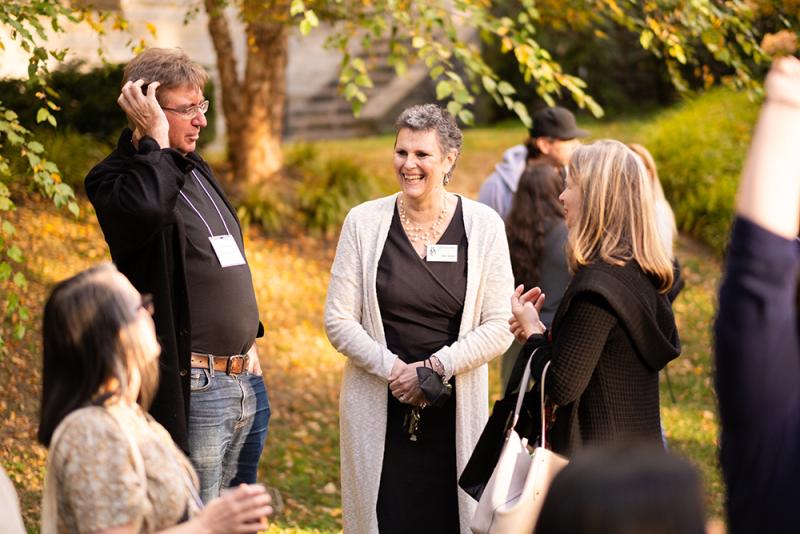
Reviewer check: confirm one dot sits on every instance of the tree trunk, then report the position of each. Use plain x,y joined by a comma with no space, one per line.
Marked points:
253,107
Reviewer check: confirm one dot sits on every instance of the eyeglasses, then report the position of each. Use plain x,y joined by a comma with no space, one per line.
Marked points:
191,111
147,304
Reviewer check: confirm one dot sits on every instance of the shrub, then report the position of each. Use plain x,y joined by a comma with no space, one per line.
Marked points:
314,196
74,153
700,148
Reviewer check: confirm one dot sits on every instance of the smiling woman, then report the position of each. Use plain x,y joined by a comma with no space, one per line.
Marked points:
417,302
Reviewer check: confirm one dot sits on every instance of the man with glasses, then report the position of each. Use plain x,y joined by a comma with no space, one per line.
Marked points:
172,231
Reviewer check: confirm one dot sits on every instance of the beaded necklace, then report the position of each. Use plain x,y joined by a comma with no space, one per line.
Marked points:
416,232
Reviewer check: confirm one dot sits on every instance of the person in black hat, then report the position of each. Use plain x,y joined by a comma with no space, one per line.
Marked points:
553,138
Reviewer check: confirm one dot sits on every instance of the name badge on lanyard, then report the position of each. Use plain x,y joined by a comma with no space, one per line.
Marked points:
227,250
442,253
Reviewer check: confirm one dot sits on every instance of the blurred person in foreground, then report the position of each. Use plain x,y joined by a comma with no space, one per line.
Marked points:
417,302
554,136
757,348
624,490
172,231
111,468
614,329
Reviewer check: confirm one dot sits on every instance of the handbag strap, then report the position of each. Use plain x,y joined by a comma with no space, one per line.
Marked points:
523,386
541,403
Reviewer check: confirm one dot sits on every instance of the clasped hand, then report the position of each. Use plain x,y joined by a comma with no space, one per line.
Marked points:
526,308
144,112
404,383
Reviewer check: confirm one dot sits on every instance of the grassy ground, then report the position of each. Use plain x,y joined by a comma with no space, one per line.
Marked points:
302,369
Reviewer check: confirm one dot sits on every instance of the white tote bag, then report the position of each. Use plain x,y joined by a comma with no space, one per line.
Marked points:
513,497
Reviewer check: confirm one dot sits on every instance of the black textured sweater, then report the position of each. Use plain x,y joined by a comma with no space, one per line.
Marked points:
611,335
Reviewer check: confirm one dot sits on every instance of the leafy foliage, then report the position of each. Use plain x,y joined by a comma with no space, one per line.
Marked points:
700,148
683,35
316,196
24,22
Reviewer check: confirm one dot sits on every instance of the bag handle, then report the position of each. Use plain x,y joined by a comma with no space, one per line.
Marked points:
541,403
523,386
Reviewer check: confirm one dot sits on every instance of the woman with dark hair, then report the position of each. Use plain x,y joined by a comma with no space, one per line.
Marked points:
111,467
537,237
624,490
614,329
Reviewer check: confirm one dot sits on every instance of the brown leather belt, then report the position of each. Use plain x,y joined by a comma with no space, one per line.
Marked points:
230,365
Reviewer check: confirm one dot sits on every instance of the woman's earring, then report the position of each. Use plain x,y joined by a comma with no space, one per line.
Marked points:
446,179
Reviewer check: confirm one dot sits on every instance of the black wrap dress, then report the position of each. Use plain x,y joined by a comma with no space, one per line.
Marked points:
421,304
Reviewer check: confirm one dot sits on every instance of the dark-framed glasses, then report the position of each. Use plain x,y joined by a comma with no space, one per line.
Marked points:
147,304
191,111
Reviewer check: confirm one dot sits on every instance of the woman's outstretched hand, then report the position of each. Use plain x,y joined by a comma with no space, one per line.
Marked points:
525,308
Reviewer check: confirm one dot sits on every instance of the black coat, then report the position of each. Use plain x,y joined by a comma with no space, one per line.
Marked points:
134,194
611,335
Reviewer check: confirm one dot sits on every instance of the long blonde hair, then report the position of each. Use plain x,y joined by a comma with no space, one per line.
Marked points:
667,234
616,222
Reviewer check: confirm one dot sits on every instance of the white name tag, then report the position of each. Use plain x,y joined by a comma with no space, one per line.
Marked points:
227,251
442,253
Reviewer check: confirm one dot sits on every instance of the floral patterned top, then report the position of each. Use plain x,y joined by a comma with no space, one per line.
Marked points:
97,483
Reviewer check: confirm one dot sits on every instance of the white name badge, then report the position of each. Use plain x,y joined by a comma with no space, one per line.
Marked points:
227,251
442,253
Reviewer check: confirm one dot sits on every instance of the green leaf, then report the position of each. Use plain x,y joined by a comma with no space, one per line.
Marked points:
418,42
35,147
489,84
305,27
5,271
14,253
297,7
522,112
466,116
73,208
20,281
19,331
42,115
505,88
443,89
312,19
8,228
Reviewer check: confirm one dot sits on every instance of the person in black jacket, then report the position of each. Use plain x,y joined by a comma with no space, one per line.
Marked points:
172,231
614,329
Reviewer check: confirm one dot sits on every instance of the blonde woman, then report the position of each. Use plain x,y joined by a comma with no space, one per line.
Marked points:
614,329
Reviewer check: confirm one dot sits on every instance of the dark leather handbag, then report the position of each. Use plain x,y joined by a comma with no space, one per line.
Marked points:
487,451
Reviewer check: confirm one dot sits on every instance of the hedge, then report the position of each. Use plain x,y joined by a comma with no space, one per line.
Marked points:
700,147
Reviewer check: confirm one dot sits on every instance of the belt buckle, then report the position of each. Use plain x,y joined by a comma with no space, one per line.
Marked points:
230,362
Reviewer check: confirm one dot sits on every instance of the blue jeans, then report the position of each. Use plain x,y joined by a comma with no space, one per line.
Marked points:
228,421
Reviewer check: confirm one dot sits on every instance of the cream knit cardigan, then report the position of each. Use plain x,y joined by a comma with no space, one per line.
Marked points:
355,328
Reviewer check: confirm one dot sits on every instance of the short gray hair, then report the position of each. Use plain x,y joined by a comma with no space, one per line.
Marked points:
172,67
426,117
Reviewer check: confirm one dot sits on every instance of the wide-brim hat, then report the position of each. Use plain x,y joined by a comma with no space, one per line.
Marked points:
556,122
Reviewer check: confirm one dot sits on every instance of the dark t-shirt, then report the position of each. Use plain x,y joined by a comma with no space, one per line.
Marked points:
222,303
